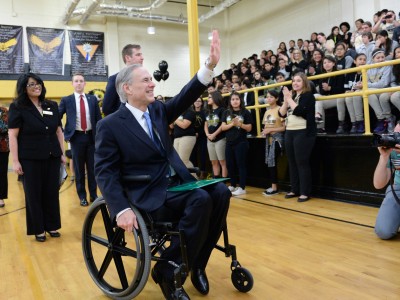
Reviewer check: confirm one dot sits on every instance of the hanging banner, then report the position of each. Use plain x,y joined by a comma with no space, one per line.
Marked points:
46,50
11,51
87,52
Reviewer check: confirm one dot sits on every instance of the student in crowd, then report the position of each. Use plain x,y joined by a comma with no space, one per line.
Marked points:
274,61
330,86
365,27
236,123
384,42
316,64
216,141
342,61
37,147
283,68
346,34
394,82
297,62
386,21
4,153
308,52
388,219
367,46
299,109
357,32
249,100
335,35
274,127
270,70
354,104
199,153
314,38
185,136
326,45
380,78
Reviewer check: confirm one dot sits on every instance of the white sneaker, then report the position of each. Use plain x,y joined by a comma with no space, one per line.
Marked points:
232,188
239,191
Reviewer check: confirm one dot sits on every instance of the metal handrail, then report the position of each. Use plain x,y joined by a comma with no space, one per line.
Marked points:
364,92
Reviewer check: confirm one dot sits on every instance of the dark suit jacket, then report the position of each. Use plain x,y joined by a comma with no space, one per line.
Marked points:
68,106
37,137
111,101
123,147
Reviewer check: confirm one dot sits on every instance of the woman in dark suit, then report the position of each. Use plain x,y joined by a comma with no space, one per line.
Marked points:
4,151
37,147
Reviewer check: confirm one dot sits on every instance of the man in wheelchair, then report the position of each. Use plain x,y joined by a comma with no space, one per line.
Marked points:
134,140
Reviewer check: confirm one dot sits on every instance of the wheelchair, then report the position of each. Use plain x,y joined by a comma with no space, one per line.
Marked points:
120,262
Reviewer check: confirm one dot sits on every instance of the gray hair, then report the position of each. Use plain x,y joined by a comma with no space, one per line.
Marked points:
125,77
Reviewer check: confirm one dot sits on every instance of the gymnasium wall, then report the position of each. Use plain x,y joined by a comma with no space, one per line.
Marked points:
247,27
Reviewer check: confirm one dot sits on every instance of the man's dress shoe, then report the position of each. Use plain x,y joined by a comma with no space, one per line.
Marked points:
167,286
84,202
200,281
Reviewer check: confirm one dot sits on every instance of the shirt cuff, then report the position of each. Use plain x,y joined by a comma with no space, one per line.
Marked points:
205,75
121,212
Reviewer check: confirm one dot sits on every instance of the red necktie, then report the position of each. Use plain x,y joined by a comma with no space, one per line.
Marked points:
83,114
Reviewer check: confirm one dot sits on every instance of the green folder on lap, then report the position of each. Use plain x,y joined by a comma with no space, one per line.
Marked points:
195,185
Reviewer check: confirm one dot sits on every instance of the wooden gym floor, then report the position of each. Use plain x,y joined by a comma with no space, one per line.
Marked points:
319,249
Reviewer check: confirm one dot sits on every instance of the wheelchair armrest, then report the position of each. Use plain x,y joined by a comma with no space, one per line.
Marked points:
194,170
147,178
136,178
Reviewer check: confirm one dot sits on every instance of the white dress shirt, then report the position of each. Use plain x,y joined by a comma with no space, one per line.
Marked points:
78,112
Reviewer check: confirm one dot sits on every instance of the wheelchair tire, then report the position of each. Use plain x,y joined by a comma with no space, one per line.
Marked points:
242,279
103,243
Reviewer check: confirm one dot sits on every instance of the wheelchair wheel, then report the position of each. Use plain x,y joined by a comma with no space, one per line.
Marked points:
242,279
119,263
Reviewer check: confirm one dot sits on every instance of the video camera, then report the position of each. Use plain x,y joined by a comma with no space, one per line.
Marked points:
387,140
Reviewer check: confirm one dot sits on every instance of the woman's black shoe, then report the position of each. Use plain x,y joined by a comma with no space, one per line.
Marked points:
291,195
301,199
54,234
40,238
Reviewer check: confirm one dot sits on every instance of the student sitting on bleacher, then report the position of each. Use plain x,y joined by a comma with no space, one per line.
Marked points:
380,78
330,86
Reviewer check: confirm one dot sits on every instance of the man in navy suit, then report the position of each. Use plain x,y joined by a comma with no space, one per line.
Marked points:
83,113
126,144
131,54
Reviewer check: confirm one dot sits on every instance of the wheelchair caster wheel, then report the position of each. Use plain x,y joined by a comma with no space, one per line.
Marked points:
242,279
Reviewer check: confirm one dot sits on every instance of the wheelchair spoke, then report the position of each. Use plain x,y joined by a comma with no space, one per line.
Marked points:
107,222
105,264
121,270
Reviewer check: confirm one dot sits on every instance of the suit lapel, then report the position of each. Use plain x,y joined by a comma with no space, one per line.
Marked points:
134,127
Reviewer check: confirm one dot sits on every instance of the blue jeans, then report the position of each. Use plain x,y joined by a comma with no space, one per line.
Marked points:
388,219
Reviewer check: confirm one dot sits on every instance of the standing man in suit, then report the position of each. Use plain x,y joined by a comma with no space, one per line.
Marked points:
131,54
134,141
83,113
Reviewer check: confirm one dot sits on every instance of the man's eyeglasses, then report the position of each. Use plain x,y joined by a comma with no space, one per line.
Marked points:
34,85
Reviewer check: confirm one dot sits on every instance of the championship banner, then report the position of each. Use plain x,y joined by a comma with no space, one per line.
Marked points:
46,50
87,52
11,51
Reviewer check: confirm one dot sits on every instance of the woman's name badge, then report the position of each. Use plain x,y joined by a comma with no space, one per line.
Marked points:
45,112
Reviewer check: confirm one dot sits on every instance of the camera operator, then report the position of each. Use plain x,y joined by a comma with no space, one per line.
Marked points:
388,219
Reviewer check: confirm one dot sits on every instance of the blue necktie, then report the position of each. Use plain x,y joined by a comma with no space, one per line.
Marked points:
149,125
153,137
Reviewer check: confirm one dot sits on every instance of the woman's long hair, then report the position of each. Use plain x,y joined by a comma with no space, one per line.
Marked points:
388,43
21,97
331,59
396,68
241,101
217,99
